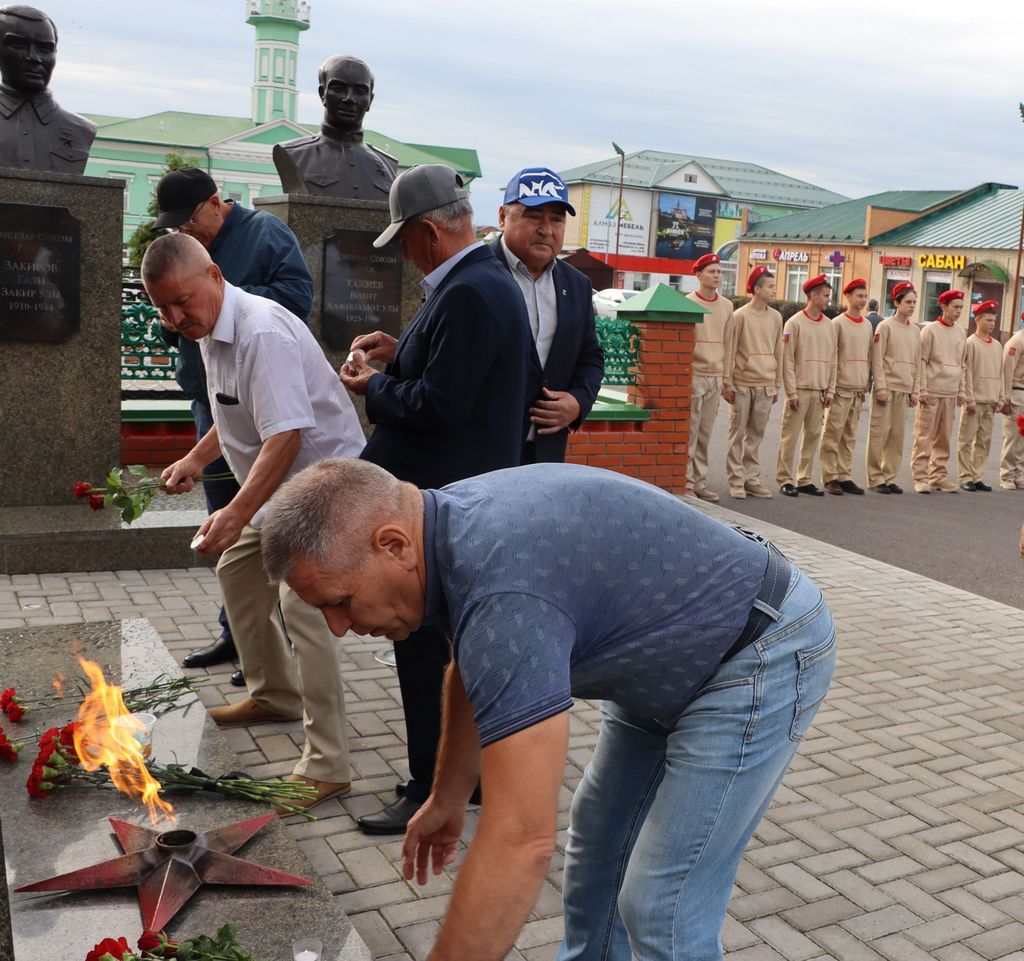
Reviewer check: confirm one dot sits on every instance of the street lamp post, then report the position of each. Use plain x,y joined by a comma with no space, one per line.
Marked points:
618,208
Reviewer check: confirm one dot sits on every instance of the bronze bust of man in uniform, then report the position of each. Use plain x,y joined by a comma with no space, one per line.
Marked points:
35,132
336,162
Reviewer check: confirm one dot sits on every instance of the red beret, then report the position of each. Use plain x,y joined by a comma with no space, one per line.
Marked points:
903,287
706,261
951,295
855,284
815,282
986,307
755,275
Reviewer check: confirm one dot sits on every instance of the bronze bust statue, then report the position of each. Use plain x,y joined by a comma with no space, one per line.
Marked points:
336,162
35,132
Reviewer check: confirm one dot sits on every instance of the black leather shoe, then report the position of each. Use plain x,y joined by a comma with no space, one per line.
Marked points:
981,486
881,489
850,487
221,650
392,820
969,486
811,489
400,789
788,490
895,489
238,679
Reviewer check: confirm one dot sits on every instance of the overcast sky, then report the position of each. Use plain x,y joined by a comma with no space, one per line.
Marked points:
853,97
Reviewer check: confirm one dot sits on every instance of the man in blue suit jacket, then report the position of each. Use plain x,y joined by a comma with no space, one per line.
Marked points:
566,360
451,404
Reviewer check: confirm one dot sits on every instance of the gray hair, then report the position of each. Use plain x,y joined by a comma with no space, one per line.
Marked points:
173,253
326,514
449,217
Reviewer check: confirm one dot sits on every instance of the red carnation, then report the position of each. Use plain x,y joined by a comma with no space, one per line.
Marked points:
15,712
82,488
8,751
96,502
157,941
35,784
109,948
5,698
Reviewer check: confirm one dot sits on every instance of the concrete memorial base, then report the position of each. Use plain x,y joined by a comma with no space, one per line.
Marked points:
69,829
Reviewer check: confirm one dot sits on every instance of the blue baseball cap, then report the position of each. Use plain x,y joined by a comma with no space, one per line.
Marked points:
534,186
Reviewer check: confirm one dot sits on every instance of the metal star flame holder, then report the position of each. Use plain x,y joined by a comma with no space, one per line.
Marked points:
168,867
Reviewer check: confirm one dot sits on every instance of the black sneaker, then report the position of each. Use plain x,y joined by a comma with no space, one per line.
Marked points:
895,489
882,489
850,487
969,486
811,489
788,490
981,486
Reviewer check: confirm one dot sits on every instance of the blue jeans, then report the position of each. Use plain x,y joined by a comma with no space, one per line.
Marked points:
219,493
665,809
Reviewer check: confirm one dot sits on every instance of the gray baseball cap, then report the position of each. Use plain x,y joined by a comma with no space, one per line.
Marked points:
417,190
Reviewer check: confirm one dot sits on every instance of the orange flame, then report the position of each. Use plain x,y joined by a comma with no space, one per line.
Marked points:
105,737
58,683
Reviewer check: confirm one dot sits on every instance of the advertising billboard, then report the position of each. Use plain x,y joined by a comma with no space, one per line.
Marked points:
686,226
598,220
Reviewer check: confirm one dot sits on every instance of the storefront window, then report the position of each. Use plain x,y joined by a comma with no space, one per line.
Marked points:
641,281
935,283
729,273
892,278
796,277
835,278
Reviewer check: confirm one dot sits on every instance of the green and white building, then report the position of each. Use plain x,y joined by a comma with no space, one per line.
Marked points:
236,151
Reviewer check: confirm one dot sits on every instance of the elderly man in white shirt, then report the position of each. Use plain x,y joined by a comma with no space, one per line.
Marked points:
277,407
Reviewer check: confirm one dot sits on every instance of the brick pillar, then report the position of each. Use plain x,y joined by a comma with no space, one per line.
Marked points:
664,379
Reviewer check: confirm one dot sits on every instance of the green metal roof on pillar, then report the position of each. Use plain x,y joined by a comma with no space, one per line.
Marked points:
664,303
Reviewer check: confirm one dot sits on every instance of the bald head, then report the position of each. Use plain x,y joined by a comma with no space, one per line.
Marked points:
346,90
183,284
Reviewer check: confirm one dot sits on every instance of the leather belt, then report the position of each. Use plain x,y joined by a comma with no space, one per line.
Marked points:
776,580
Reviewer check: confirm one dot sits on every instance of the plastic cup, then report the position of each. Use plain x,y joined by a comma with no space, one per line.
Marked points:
141,726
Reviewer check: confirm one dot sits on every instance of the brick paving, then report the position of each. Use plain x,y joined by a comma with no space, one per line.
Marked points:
898,833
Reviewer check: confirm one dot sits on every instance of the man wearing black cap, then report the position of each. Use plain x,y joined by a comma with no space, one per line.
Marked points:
566,361
256,252
809,379
451,404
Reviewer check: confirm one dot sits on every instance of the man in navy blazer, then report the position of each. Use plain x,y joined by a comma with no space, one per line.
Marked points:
566,360
450,404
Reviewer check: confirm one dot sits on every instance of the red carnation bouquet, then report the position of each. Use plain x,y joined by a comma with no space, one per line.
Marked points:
12,706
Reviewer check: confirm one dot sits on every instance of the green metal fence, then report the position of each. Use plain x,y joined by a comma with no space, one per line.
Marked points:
620,341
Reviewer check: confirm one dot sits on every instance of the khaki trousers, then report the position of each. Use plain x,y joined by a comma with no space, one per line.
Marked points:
310,682
840,435
885,438
933,431
1011,459
973,442
706,393
808,422
748,418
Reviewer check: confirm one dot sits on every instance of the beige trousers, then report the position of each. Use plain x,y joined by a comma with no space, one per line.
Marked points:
806,421
706,393
839,436
974,441
885,438
748,418
308,682
933,432
1011,459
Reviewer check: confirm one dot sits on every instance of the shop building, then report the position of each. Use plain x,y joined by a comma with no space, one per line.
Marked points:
676,208
891,237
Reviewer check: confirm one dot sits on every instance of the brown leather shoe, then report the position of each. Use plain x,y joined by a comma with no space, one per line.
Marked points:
325,790
246,711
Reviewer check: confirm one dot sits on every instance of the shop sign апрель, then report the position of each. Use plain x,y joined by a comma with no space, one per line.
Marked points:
791,256
942,261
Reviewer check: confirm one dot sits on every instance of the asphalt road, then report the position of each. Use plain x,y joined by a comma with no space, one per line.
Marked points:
970,541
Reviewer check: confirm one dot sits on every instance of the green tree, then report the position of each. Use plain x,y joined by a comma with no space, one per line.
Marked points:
138,242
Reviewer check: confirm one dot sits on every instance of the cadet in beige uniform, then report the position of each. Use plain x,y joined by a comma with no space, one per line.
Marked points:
983,397
708,353
895,362
941,385
1011,461
854,337
751,381
809,379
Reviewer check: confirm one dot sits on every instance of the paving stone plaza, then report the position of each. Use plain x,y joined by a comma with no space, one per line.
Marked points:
896,835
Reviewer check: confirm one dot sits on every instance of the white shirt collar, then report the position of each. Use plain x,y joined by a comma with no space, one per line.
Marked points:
224,329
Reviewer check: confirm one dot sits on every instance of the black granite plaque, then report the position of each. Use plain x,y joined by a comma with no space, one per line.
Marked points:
40,282
362,287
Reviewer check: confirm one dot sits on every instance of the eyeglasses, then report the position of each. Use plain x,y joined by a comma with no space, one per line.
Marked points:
191,222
